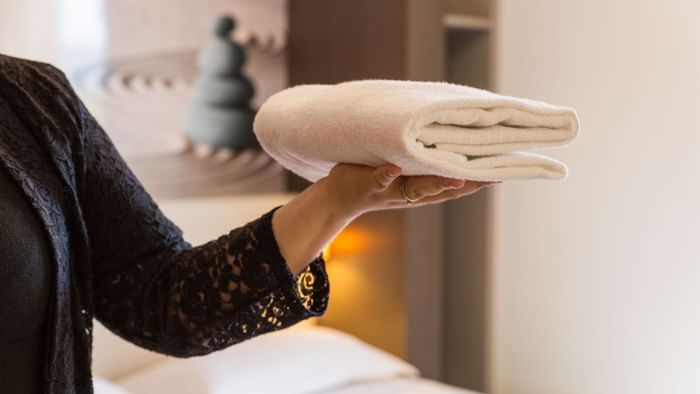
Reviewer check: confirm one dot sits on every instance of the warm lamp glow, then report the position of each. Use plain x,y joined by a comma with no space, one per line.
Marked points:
350,241
327,252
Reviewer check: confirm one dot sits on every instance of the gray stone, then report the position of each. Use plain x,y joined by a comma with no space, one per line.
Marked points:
228,127
222,58
236,90
220,114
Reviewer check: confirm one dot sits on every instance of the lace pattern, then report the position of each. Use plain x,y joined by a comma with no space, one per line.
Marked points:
118,258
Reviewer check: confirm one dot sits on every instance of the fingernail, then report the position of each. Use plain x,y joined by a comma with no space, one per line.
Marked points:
453,183
393,172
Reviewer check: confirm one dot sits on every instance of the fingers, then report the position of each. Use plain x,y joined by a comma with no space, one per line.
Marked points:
422,189
419,187
383,176
468,188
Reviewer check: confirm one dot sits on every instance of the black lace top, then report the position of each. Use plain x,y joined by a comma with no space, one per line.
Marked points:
24,290
115,256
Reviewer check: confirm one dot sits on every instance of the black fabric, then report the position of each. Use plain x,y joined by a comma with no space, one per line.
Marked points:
24,290
115,256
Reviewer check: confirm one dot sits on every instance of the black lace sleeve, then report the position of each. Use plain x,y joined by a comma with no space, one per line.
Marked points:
154,289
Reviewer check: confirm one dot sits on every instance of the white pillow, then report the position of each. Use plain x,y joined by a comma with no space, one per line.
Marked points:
295,360
103,386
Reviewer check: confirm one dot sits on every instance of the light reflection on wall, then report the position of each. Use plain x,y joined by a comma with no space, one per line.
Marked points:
82,31
366,272
61,32
28,29
350,241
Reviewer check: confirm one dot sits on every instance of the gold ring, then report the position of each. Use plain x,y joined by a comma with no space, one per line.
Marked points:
404,195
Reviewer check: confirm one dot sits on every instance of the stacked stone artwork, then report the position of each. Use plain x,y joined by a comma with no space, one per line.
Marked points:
220,114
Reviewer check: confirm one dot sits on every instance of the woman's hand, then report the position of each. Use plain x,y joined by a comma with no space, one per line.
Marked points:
357,189
304,226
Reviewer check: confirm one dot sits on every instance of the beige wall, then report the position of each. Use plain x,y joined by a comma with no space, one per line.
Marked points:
59,31
597,279
29,29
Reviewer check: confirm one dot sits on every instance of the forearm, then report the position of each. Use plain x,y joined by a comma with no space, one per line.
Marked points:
305,225
153,288
196,300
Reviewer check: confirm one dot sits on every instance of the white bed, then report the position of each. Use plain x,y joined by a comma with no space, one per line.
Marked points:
304,359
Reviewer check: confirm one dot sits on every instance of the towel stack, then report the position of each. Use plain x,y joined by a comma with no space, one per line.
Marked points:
426,128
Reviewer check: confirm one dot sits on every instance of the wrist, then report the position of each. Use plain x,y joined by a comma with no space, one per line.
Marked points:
307,223
337,207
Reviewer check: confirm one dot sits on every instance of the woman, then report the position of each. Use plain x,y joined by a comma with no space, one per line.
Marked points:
80,237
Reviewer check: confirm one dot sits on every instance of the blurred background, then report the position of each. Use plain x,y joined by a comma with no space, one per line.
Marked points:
590,285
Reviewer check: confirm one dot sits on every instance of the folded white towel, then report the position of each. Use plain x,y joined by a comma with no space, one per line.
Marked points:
426,128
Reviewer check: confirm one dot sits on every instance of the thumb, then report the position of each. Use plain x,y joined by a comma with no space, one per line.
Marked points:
383,176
